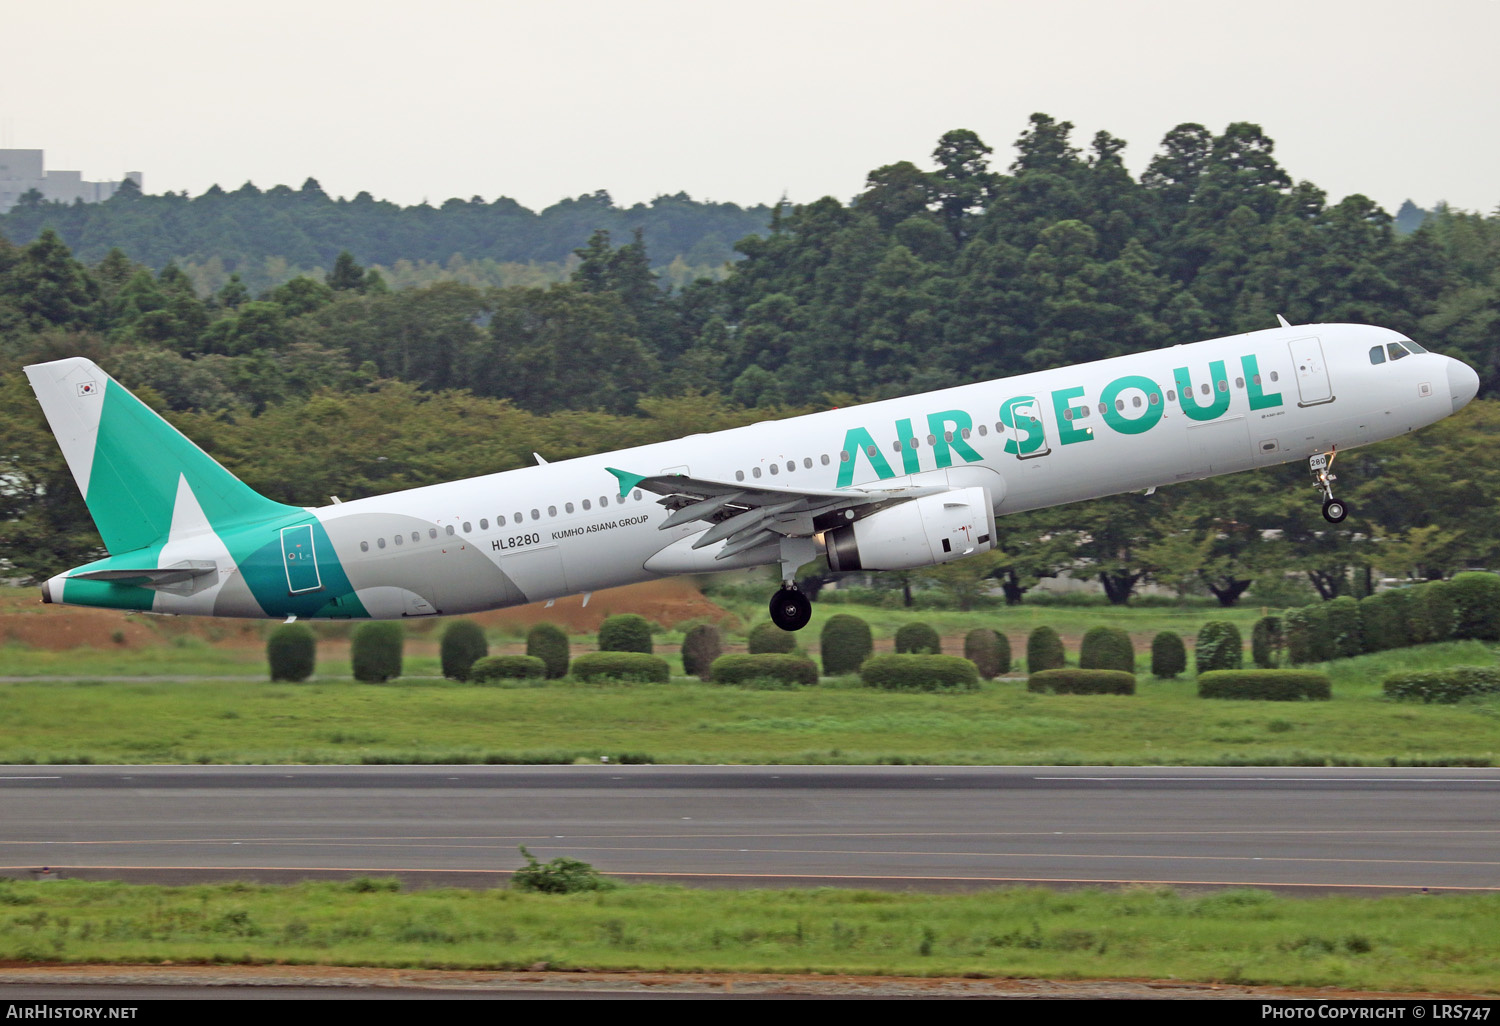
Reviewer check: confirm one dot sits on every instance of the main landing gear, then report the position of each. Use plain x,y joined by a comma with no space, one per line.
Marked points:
790,609
1321,465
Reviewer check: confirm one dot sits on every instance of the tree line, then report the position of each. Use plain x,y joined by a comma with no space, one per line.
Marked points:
926,279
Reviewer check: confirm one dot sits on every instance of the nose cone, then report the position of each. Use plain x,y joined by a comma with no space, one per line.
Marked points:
1463,383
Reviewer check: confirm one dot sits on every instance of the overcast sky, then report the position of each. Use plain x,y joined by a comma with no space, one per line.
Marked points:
733,100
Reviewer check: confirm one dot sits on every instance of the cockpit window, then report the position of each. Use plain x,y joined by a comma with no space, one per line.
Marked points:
1413,346
1377,354
1397,350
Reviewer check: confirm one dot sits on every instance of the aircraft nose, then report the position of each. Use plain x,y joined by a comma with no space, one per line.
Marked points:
1463,383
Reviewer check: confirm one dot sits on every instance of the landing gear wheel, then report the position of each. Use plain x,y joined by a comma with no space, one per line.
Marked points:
1334,511
790,609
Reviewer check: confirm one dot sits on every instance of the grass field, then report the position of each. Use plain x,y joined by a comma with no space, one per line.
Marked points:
1446,943
436,721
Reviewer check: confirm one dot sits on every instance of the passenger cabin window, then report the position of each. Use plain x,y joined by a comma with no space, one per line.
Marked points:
1396,350
807,462
776,470
380,543
568,507
552,511
536,514
484,523
637,495
755,471
603,501
432,532
1377,354
364,546
825,459
468,527
586,505
739,475
399,539
416,536
449,529
792,464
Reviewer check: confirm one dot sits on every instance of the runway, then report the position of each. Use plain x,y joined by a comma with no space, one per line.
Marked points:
1378,830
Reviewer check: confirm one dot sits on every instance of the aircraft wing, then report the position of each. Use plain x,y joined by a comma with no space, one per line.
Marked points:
744,516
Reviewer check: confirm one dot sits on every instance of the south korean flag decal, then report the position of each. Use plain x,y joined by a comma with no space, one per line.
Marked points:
88,388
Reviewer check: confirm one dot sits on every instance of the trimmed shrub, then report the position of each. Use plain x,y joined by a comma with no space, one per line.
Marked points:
1434,613
1476,605
292,651
1306,632
1344,633
764,668
633,667
1218,647
1168,655
701,645
625,633
1081,682
919,672
1044,650
1265,685
507,667
767,638
1383,620
989,651
1266,642
1107,648
375,651
918,639
1450,684
846,643
549,643
462,646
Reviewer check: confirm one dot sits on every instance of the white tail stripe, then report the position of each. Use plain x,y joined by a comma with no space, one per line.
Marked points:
71,394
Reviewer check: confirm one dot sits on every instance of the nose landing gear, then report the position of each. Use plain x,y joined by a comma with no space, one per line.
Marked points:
1321,466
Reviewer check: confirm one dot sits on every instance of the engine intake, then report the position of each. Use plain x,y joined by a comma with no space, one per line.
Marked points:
933,529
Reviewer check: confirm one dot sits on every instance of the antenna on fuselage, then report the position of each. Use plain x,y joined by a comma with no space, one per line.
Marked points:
1282,321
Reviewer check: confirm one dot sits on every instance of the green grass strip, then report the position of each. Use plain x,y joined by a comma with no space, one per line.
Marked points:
1448,943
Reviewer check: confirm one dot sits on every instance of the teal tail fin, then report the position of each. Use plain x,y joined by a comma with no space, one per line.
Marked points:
129,463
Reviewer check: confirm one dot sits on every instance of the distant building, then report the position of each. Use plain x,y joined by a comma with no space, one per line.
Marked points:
21,171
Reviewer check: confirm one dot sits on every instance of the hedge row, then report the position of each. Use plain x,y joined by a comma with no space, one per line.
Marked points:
1466,607
507,667
920,673
1450,684
636,667
1265,685
763,668
1081,682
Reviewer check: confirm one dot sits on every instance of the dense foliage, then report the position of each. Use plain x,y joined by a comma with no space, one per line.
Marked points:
1106,648
766,638
636,667
1168,655
1264,685
918,639
845,644
506,667
701,645
919,672
989,651
1081,682
1044,650
292,651
375,651
549,643
463,644
1451,684
764,669
625,632
1218,647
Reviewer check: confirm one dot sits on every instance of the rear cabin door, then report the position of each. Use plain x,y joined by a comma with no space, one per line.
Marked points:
300,560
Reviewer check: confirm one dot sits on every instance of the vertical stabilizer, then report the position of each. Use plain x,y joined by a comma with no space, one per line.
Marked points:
129,462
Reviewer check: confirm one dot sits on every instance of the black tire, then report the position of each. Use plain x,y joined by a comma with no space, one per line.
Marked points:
790,609
1335,510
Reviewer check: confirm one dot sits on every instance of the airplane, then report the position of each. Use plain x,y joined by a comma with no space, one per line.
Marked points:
890,485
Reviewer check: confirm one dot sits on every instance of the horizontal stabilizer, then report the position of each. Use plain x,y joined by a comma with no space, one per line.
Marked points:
150,577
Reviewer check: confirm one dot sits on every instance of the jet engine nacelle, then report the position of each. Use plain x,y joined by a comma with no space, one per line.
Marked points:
932,529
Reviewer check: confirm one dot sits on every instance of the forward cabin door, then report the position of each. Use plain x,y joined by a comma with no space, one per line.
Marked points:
1313,386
